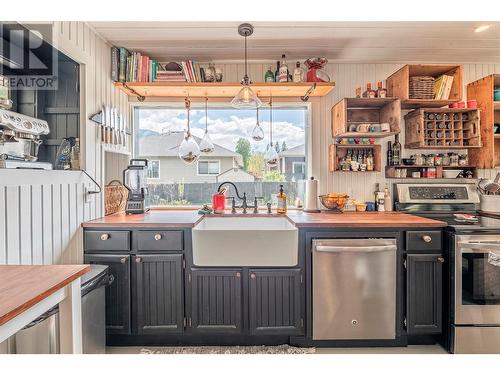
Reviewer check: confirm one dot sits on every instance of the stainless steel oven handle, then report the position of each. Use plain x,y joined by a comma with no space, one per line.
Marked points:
468,247
354,249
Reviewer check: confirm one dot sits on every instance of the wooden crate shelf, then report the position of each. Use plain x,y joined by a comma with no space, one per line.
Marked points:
221,89
354,111
482,91
398,84
337,151
390,171
442,128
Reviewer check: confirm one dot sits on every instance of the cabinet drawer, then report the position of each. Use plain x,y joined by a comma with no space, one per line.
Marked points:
161,240
424,240
107,240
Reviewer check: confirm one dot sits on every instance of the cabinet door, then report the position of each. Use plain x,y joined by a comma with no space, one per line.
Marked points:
424,293
158,293
216,303
276,302
118,293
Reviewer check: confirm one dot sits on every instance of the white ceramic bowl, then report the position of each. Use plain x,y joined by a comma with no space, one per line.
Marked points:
451,173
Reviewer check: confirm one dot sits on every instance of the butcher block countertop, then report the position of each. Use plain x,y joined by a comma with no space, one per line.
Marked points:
186,219
22,287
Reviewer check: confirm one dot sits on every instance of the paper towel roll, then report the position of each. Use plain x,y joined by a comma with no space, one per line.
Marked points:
311,196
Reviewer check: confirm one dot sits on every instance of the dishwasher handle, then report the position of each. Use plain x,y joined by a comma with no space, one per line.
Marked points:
354,249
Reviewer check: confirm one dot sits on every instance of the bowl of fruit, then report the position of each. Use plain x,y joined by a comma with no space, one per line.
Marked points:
333,201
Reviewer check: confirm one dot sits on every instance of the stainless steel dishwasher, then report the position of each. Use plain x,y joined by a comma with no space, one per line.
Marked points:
354,288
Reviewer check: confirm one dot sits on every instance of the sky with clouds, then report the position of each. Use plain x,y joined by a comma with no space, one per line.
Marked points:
227,125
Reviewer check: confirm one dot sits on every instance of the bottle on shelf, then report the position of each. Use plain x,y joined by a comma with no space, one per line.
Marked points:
283,71
369,93
396,151
277,72
298,73
369,161
381,92
269,76
281,201
387,199
375,195
390,160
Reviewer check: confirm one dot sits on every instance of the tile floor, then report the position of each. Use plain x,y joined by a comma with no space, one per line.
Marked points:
412,349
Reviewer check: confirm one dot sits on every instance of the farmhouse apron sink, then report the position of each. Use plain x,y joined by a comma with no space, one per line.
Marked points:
245,241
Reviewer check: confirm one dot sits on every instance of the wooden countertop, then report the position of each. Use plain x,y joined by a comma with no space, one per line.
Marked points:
362,220
156,218
22,287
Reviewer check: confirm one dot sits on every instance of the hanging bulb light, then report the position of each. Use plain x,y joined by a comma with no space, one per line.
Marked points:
246,98
271,156
257,132
189,151
206,144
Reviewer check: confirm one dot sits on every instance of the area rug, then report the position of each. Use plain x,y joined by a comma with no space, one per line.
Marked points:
280,349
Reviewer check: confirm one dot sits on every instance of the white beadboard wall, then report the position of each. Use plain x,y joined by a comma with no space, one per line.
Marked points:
347,77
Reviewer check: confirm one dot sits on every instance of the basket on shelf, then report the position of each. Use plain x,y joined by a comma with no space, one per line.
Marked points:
421,87
115,197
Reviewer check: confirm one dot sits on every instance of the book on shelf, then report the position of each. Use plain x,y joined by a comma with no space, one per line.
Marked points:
442,87
115,63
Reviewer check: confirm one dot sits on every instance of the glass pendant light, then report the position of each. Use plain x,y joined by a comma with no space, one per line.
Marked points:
246,98
271,156
189,151
206,144
257,132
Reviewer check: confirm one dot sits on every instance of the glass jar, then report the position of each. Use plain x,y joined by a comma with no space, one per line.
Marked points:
429,160
438,160
446,160
463,160
419,159
454,160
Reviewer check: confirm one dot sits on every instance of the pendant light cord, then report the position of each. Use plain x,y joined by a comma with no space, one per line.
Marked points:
187,103
246,75
206,114
271,119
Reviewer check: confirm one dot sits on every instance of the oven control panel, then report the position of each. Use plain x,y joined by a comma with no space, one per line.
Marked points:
438,192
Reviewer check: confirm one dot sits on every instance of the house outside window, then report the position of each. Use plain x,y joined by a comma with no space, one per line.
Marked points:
208,167
299,168
154,169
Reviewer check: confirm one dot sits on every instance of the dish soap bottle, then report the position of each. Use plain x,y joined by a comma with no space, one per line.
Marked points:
281,201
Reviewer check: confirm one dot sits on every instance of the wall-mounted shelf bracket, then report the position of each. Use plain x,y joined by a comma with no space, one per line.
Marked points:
139,96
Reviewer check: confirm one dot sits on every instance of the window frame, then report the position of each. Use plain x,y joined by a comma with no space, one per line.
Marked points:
207,161
159,169
303,163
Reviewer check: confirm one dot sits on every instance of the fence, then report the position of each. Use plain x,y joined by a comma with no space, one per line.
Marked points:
201,193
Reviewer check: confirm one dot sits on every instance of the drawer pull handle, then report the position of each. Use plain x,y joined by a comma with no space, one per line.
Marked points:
157,236
427,238
440,259
123,260
138,260
104,237
252,276
238,274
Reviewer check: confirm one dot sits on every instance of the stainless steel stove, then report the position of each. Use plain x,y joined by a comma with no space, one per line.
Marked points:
473,275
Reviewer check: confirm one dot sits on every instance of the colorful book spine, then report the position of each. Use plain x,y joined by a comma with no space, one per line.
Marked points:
115,64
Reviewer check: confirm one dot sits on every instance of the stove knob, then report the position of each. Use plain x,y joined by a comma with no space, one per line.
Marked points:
427,238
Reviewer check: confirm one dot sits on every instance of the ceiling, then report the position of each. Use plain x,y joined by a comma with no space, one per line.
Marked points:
338,41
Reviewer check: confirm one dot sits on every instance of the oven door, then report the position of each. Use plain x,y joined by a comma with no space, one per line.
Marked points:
477,279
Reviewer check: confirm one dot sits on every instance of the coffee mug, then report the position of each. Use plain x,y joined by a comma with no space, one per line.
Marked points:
362,128
353,128
385,127
370,206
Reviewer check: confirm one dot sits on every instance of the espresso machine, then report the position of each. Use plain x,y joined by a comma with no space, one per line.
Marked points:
20,139
134,179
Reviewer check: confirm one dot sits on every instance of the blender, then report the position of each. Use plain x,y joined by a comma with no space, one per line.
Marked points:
134,179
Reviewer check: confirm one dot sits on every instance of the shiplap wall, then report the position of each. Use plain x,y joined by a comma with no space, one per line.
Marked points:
347,77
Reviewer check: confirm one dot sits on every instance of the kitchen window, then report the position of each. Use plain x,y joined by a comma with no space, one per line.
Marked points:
207,167
237,157
154,169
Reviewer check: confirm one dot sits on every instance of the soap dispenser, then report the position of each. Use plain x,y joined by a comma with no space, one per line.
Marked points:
281,201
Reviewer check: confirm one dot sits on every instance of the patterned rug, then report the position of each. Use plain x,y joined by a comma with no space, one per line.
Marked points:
280,349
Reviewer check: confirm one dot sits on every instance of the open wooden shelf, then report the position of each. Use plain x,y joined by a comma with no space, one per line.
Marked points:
481,90
354,111
221,89
337,151
398,84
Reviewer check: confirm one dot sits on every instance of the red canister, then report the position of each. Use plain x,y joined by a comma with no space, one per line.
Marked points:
461,105
472,104
218,203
